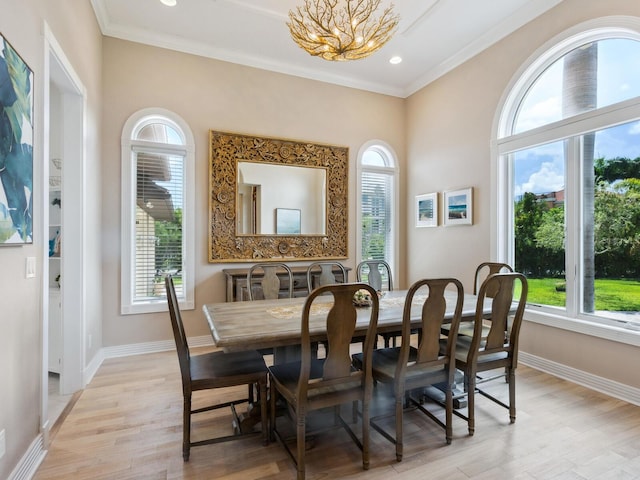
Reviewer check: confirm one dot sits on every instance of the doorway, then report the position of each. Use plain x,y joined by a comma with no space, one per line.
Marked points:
63,312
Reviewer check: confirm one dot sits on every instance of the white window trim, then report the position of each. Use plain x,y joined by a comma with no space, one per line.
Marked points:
133,123
503,143
390,153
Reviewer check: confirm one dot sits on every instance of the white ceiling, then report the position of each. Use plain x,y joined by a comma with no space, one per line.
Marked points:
433,36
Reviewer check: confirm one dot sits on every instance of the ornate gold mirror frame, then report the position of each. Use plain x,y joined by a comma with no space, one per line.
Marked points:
225,151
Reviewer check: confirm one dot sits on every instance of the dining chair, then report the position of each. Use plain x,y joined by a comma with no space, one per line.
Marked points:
376,273
494,342
263,281
317,383
213,370
321,273
482,272
409,369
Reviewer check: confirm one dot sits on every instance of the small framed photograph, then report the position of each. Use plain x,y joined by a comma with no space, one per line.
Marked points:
427,210
288,221
458,207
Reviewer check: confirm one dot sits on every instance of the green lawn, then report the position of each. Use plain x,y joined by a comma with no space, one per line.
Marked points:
611,295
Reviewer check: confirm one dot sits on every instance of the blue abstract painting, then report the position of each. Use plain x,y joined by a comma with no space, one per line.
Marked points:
16,147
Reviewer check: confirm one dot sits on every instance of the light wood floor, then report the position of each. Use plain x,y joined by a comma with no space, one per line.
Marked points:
127,424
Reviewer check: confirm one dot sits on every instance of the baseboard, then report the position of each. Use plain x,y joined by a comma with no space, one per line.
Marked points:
91,369
152,347
30,461
600,384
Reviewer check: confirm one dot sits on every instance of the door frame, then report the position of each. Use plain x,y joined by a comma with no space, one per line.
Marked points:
59,71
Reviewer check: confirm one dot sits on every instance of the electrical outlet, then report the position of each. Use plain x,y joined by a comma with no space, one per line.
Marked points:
3,445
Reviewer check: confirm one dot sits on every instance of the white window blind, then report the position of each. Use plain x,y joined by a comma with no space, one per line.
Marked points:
158,223
376,191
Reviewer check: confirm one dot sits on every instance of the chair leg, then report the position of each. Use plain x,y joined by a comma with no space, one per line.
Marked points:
272,413
400,398
449,412
365,433
301,432
186,428
262,391
470,382
512,395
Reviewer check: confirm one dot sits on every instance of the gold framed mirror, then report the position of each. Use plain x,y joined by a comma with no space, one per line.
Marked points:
246,208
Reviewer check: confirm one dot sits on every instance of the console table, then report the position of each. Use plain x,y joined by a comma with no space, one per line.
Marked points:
236,281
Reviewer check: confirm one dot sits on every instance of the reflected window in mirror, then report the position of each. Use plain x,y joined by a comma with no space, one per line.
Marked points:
378,203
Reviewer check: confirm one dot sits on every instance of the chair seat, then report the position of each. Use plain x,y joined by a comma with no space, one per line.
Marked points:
287,375
385,361
485,360
220,369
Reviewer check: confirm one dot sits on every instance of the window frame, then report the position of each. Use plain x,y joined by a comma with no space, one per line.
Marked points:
129,148
570,129
385,150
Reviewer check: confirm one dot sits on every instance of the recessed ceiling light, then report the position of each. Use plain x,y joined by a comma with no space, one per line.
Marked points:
169,3
395,60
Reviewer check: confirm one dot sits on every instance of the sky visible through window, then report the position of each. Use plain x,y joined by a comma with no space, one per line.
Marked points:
541,170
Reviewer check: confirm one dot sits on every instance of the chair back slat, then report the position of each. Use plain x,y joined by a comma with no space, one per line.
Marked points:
504,325
433,315
340,323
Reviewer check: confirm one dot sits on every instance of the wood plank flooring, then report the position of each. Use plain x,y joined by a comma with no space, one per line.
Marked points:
127,424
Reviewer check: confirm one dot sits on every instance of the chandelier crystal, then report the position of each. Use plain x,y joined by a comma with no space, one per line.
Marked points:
341,30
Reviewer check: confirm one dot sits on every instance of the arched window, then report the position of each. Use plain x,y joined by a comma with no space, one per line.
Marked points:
377,203
568,145
157,210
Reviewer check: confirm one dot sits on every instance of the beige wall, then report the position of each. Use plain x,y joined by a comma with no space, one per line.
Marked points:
74,26
449,125
210,94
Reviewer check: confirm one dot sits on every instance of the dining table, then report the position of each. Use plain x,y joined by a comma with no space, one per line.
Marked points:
276,324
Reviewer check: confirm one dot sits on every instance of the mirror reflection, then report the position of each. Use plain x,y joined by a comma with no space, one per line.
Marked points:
280,199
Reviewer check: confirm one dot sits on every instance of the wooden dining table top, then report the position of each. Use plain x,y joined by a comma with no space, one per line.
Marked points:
275,323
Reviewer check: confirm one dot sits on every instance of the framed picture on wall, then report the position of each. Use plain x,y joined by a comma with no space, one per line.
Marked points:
427,210
16,136
458,207
288,221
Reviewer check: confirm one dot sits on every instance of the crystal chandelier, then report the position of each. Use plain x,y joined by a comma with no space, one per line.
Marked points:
345,32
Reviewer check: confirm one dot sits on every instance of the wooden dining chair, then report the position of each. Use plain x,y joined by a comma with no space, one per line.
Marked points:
494,342
321,273
312,383
484,270
376,273
214,370
409,369
263,281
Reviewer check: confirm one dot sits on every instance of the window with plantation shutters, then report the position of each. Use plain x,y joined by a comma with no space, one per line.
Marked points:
158,154
377,204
